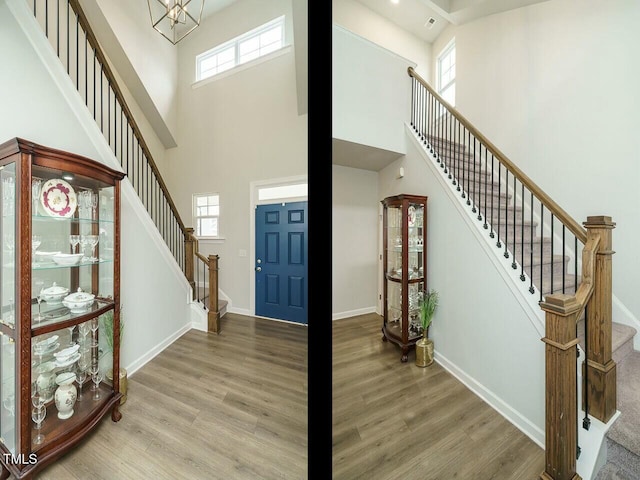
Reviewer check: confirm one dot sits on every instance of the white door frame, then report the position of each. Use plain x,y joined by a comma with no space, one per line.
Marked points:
253,203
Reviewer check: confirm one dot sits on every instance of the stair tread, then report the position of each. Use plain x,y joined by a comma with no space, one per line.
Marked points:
625,429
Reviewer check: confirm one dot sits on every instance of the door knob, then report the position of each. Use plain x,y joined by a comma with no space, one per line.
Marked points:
258,269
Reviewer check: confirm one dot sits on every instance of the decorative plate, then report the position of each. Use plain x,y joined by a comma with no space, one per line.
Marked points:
58,198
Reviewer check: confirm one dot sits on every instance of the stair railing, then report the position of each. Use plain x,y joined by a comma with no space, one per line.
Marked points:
67,28
203,276
520,217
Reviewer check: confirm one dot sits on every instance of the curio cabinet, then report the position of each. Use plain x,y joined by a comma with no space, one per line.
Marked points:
405,269
59,277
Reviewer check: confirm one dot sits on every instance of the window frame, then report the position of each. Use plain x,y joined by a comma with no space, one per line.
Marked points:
235,44
446,52
197,218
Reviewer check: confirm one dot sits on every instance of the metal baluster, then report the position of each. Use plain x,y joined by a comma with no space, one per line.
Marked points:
506,215
101,98
491,234
67,38
563,264
552,252
522,277
477,192
58,28
514,265
46,18
413,101
541,287
498,243
485,179
77,52
575,264
531,289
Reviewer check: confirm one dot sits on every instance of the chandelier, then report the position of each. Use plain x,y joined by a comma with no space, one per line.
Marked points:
173,20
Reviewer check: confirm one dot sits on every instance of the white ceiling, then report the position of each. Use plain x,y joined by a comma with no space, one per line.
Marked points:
411,15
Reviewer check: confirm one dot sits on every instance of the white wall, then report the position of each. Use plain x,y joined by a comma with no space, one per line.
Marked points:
354,253
554,86
145,59
482,332
371,92
359,19
153,291
241,128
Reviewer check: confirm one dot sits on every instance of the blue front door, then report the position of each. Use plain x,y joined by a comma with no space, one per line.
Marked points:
281,261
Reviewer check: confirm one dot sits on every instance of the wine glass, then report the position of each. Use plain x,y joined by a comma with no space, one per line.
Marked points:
36,241
37,399
94,203
37,415
40,289
36,186
97,377
83,245
74,240
93,240
81,376
71,328
93,370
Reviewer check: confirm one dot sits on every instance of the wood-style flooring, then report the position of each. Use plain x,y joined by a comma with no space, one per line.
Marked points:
399,421
227,406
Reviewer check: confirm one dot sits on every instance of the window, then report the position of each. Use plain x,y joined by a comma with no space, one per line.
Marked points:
206,211
447,73
283,191
258,42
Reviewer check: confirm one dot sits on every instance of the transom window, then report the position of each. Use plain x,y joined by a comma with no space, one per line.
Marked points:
447,73
206,212
258,42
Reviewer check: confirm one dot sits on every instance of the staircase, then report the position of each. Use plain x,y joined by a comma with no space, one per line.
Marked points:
524,242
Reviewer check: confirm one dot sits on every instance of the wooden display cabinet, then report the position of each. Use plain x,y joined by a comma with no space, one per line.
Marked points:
50,197
405,267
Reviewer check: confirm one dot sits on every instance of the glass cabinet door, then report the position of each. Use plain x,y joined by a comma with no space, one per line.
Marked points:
8,423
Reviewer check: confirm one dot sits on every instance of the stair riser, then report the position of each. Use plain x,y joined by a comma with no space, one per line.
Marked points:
528,248
505,232
546,271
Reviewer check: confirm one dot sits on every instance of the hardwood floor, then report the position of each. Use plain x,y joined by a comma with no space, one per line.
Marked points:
228,406
394,420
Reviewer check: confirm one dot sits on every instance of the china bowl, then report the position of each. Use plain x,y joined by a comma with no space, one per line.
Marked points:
67,259
79,301
66,353
54,294
45,256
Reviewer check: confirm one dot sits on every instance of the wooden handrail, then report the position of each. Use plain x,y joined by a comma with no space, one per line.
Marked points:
82,19
552,206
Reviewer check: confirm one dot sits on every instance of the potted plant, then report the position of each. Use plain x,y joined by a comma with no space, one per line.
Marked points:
424,347
107,328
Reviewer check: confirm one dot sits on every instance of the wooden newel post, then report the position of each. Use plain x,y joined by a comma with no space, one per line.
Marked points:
601,375
214,313
561,426
189,259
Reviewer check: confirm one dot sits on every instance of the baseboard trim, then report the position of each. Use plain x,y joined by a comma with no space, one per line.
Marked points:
353,313
198,317
499,405
239,311
153,352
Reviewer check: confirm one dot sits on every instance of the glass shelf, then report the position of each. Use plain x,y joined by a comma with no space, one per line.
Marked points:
55,266
59,313
48,218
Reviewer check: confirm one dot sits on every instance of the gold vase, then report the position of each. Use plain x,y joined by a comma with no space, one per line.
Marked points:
424,352
123,383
